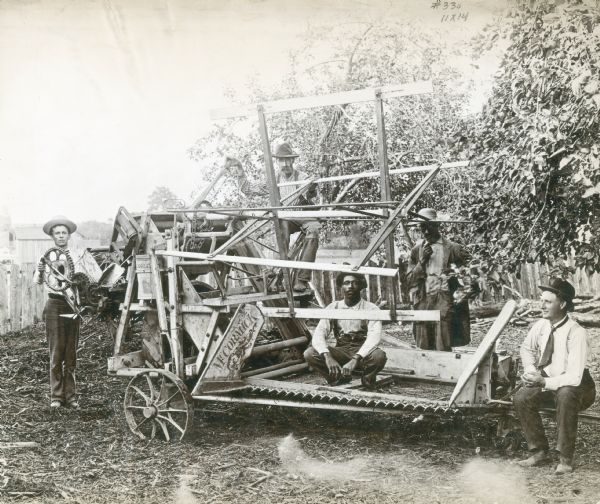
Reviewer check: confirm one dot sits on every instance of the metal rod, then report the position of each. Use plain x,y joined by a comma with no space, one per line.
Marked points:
270,347
284,371
255,372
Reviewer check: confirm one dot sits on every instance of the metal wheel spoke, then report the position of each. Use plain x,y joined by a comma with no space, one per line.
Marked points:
172,410
172,422
159,421
131,406
146,398
151,386
166,401
137,427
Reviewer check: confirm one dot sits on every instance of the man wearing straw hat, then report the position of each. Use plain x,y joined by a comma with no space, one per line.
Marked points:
356,340
430,261
288,175
554,355
62,327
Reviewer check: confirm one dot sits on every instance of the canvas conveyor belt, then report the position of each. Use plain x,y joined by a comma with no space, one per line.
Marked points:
302,393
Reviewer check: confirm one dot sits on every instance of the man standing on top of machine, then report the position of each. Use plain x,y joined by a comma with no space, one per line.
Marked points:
285,156
431,260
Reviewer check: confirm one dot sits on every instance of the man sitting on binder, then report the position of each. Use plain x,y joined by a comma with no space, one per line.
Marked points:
284,157
554,356
356,340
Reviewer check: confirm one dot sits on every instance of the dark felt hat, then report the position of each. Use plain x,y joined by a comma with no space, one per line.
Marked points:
59,220
563,289
284,150
339,279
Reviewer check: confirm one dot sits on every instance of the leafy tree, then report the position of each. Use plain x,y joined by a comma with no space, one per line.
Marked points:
96,230
160,196
536,146
343,140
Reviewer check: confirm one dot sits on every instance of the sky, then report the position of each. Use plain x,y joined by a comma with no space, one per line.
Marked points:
101,100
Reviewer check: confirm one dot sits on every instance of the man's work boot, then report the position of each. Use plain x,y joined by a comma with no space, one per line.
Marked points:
537,458
564,466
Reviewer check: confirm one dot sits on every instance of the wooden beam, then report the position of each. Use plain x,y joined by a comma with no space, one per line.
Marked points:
126,308
277,263
385,195
373,174
333,314
281,237
388,227
327,100
247,298
330,214
175,318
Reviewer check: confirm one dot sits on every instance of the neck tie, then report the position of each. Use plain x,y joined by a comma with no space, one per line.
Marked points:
549,350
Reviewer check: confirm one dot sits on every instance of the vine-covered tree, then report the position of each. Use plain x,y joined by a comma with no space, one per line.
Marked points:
536,147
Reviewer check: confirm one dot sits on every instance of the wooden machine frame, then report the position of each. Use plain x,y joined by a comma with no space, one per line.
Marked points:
198,342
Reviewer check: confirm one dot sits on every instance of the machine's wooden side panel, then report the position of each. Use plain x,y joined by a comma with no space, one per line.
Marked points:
426,364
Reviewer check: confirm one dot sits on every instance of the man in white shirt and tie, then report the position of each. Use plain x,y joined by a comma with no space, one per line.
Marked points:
554,356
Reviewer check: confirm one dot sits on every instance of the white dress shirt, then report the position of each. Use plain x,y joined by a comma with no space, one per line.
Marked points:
372,328
569,358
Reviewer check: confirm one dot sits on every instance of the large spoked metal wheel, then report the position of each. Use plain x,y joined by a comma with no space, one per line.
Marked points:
158,404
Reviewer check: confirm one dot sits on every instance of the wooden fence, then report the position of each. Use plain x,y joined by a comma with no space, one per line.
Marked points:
525,284
22,302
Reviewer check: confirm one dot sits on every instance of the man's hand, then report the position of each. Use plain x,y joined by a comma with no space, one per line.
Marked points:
349,366
334,368
533,379
426,253
41,267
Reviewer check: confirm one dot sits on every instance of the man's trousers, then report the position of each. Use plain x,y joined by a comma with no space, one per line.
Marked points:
63,335
370,365
569,401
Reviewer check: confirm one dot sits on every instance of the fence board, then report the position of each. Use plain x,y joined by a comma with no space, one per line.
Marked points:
4,308
15,297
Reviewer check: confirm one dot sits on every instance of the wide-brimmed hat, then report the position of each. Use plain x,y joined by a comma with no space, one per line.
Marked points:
562,289
59,220
284,150
427,214
339,279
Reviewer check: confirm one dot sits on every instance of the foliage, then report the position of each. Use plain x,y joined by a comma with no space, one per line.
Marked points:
536,147
96,230
343,140
160,198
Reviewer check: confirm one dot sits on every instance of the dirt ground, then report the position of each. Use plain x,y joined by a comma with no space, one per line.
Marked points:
258,454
